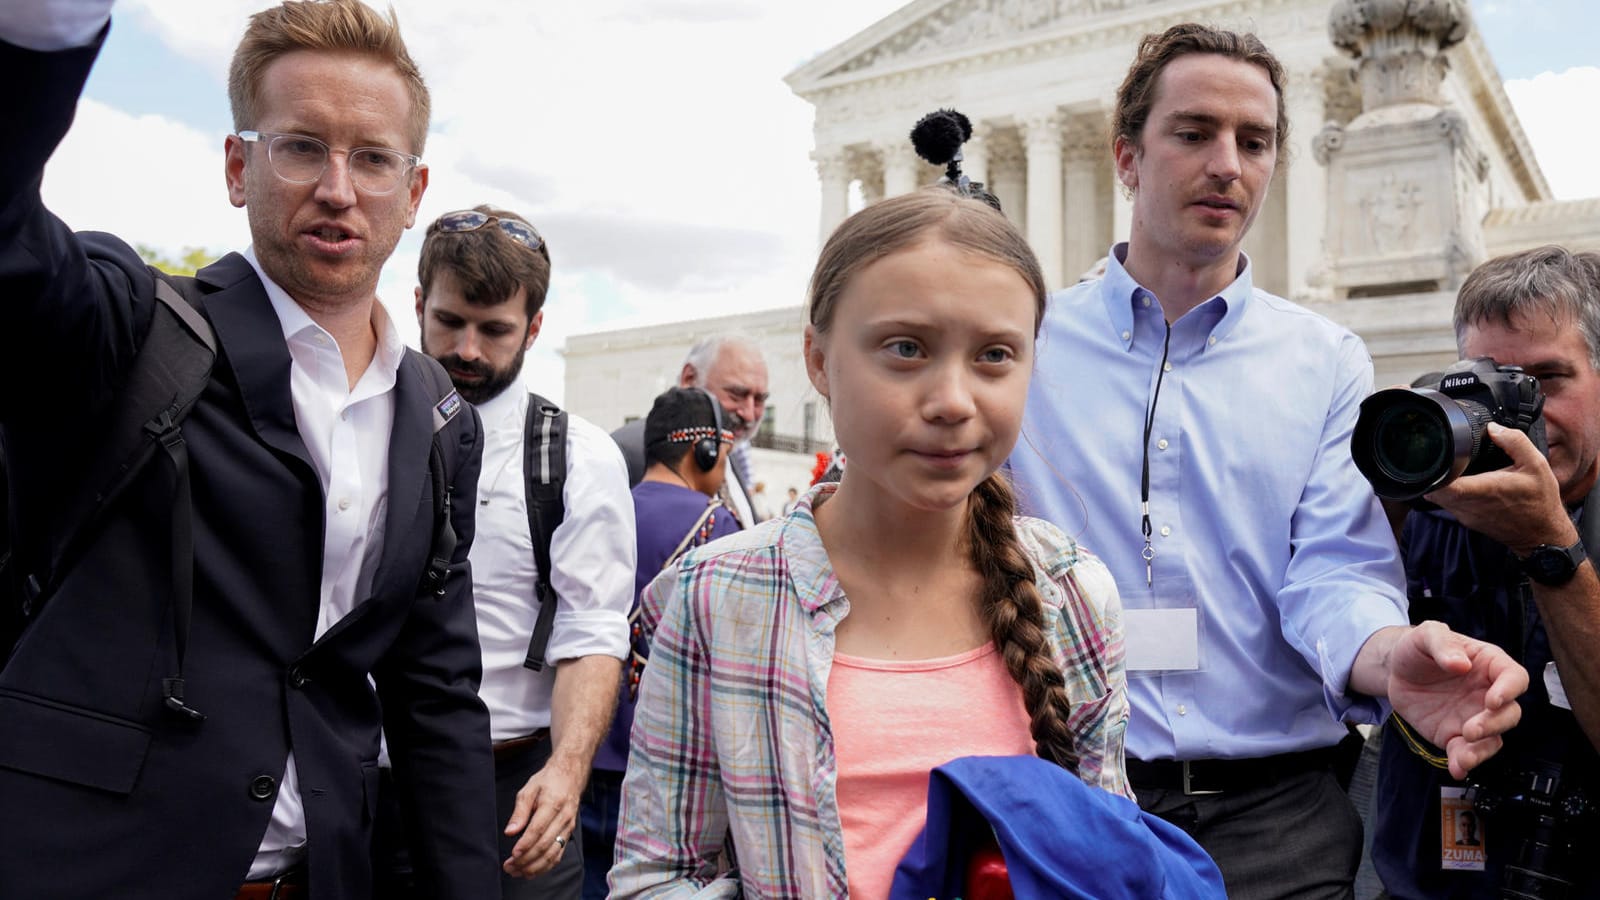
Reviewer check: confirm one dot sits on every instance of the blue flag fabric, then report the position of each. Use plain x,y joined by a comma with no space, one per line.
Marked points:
1060,837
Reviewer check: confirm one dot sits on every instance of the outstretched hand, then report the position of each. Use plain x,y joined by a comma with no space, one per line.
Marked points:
1458,692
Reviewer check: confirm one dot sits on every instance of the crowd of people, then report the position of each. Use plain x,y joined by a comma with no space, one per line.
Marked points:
293,610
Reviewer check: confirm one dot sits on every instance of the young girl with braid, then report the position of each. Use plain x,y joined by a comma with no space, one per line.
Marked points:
807,675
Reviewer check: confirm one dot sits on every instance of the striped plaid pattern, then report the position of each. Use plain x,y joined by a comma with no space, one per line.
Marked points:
731,738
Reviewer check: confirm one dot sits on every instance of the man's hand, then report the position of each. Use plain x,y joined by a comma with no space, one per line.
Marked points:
546,809
1518,506
1457,692
581,704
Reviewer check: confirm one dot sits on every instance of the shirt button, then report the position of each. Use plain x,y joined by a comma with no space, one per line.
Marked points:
344,503
344,416
1166,531
1126,335
262,787
1162,444
1146,300
1183,710
1211,342
1166,367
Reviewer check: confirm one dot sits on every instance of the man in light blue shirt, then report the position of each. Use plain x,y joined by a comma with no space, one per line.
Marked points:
1207,462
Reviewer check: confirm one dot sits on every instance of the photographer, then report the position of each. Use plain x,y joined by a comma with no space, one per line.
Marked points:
1503,558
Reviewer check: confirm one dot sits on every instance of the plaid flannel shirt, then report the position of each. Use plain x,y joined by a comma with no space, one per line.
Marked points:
731,740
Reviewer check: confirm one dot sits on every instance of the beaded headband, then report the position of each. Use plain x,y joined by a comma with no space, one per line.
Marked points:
699,433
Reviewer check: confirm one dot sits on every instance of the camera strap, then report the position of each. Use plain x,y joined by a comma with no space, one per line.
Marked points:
1149,552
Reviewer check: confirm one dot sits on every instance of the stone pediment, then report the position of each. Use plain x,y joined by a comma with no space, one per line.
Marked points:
966,24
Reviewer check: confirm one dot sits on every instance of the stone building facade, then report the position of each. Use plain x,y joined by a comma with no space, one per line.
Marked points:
1405,165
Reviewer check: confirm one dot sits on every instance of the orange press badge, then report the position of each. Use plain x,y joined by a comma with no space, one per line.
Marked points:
1461,832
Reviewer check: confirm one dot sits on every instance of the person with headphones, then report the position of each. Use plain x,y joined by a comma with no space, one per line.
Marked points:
677,507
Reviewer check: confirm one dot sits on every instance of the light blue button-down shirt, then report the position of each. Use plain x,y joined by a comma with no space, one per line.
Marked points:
1259,518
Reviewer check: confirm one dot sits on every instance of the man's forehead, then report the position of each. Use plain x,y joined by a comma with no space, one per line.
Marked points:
738,366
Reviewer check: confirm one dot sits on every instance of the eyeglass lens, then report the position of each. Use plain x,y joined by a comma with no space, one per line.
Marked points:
301,159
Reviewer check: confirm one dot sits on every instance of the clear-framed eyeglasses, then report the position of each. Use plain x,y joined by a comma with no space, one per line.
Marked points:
301,159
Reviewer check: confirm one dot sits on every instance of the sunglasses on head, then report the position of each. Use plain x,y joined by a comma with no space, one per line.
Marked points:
471,220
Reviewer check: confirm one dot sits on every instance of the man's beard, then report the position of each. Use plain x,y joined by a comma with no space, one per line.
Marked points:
735,423
493,382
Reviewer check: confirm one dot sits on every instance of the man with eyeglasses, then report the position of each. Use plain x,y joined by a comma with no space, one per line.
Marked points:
480,303
153,748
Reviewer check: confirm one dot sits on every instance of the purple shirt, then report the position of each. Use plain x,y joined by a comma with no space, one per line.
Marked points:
664,513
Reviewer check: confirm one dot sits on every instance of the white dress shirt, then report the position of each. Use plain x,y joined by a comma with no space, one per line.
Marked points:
346,434
592,555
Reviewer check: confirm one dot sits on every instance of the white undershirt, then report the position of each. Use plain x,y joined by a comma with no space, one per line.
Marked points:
592,563
346,434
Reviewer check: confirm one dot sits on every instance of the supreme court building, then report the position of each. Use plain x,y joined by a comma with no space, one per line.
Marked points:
1405,165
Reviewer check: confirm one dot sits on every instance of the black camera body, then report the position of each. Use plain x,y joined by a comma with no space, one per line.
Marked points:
1409,441
1548,822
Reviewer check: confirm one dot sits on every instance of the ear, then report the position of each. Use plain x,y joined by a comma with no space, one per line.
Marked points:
688,376
534,324
233,166
419,183
816,354
417,293
1127,155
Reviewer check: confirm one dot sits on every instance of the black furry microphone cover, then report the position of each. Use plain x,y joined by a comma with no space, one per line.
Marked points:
938,136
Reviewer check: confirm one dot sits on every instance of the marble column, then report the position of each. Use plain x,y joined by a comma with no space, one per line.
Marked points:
833,168
975,155
901,167
1086,155
1305,182
1042,135
1006,176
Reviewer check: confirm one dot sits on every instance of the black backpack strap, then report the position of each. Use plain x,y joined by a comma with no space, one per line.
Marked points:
168,374
442,547
544,473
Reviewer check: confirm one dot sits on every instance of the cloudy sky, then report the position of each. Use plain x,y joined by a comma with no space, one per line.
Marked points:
653,142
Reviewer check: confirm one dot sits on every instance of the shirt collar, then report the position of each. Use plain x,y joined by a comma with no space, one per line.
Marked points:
1124,299
506,409
297,324
800,546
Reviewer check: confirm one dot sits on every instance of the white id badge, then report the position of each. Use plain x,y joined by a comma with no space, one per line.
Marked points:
1162,640
1461,833
1553,686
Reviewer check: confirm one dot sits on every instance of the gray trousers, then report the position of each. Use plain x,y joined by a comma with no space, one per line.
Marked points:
565,881
1298,837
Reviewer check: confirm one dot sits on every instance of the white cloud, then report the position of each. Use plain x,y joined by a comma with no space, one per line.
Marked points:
147,178
1552,107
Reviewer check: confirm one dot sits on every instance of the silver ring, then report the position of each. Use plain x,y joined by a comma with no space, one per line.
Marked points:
561,841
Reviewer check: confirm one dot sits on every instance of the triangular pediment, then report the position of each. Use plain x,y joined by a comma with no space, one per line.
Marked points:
928,28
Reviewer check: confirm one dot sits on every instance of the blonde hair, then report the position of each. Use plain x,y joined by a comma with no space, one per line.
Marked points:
327,26
1011,605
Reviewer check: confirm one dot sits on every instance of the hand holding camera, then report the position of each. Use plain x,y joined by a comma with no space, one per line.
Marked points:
1472,442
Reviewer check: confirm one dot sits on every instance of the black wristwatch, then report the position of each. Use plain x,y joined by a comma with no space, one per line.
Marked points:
1553,566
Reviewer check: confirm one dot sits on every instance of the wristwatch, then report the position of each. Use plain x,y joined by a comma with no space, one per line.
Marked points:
1553,566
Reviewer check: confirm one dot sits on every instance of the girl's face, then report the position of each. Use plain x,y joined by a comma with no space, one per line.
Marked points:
926,368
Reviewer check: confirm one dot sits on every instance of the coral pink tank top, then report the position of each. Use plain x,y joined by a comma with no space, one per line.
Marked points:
893,722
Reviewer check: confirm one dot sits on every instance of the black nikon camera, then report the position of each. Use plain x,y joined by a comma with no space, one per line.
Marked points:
1409,441
1551,824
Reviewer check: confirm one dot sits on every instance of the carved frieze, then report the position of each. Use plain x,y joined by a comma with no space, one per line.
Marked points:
963,24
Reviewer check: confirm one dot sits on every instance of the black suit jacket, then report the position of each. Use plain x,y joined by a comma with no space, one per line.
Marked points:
103,791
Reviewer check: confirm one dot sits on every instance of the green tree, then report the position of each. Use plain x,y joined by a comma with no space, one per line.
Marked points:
193,259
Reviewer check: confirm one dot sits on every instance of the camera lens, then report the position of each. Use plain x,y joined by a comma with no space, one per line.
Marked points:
1408,442
1409,445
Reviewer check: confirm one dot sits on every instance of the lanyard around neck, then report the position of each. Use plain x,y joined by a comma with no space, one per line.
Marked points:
1149,552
